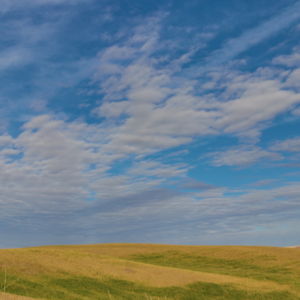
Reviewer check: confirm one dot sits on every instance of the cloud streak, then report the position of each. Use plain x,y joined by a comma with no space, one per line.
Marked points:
11,5
254,36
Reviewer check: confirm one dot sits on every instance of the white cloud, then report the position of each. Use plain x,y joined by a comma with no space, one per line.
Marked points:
64,163
293,79
261,100
50,172
296,112
242,156
6,140
157,108
288,145
160,170
290,60
59,165
207,212
150,125
263,182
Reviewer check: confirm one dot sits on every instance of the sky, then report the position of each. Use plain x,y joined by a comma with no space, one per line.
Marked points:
137,121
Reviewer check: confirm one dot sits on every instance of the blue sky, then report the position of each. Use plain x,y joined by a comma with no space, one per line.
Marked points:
149,121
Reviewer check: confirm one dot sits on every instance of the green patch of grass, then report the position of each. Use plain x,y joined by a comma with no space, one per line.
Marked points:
33,288
80,288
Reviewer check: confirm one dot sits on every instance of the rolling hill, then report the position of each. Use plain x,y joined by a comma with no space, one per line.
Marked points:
142,271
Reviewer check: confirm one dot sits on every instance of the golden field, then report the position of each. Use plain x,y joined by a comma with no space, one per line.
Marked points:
141,271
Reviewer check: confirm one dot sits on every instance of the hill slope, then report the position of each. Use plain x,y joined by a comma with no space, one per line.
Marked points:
139,271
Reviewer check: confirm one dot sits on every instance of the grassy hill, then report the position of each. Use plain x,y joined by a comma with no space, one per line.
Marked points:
140,271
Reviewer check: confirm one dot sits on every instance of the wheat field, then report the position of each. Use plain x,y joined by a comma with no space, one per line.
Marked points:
142,271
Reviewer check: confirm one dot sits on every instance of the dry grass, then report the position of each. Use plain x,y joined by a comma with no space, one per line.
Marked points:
116,261
95,262
5,296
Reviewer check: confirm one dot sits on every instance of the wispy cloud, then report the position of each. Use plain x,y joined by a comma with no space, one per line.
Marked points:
9,5
288,145
242,156
158,114
250,38
290,60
